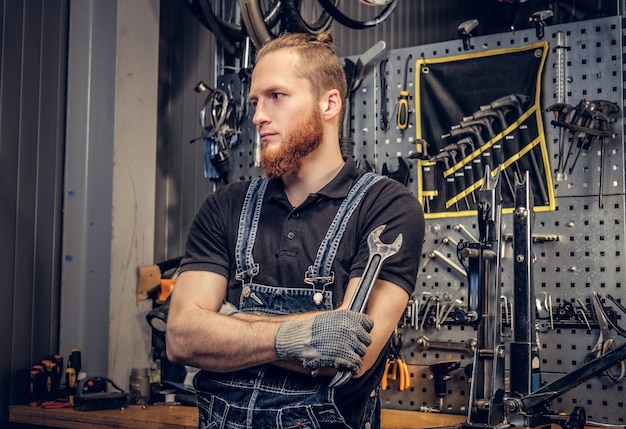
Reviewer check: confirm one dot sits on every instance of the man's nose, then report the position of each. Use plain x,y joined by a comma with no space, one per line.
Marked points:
260,116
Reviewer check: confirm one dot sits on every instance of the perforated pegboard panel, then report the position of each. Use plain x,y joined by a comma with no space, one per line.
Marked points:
584,250
587,254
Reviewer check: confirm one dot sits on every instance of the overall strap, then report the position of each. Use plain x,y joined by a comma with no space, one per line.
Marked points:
320,272
246,234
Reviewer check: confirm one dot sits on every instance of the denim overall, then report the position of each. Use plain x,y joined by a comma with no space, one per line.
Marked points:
266,396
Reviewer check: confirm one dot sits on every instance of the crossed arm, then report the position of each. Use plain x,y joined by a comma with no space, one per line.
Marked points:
198,335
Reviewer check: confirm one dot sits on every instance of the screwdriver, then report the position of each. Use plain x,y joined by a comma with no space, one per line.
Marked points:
403,99
74,363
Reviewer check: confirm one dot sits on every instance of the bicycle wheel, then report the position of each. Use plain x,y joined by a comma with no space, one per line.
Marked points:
261,19
376,14
306,16
225,27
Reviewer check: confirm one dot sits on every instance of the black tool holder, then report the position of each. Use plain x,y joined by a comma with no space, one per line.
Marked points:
487,387
527,404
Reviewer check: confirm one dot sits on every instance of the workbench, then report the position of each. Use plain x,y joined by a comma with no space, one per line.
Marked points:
183,417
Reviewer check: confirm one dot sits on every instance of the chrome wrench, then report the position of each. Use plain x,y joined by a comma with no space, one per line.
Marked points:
424,343
378,252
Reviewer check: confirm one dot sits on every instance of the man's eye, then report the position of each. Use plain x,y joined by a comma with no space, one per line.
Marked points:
277,95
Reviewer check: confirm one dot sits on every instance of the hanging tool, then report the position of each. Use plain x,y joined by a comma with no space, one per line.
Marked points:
561,114
424,343
475,140
378,253
613,324
465,32
395,366
605,342
538,18
384,113
454,150
403,99
355,72
515,104
590,123
401,174
441,374
445,158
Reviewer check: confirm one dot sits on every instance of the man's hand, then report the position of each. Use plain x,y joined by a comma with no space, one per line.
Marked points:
333,339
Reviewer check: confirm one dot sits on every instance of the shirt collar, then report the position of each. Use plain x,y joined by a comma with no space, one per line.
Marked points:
336,188
342,183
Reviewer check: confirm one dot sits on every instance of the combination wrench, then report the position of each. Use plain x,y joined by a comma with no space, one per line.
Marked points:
378,252
424,343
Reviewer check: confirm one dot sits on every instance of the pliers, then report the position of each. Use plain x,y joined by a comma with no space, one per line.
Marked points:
605,343
395,366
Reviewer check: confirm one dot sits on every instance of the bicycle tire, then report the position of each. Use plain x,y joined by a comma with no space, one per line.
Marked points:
261,20
295,20
227,33
356,24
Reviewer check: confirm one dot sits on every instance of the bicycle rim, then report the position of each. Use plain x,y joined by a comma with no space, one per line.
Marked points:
307,16
226,30
381,14
261,19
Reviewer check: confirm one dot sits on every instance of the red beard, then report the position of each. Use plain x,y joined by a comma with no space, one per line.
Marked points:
304,138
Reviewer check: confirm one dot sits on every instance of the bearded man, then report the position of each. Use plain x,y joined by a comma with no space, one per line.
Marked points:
286,252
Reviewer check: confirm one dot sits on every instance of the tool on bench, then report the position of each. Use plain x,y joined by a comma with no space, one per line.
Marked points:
378,253
92,395
605,342
37,385
403,99
74,365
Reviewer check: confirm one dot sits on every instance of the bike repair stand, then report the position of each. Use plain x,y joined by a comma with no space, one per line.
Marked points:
527,404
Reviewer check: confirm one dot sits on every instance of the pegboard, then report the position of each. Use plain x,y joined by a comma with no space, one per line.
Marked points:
580,245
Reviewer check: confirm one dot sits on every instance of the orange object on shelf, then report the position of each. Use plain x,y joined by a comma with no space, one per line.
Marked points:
167,286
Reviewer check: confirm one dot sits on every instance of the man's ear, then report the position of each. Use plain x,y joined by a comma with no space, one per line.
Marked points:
332,104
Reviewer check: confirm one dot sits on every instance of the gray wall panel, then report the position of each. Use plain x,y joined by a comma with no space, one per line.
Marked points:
32,115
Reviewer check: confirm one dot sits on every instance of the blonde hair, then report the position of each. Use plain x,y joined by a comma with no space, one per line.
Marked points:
317,61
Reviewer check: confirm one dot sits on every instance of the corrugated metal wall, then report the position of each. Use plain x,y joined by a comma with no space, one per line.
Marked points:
187,57
32,121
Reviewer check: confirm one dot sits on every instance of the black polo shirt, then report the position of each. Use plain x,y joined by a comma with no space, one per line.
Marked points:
288,238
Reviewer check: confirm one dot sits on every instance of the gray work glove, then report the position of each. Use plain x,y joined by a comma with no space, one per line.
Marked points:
333,339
